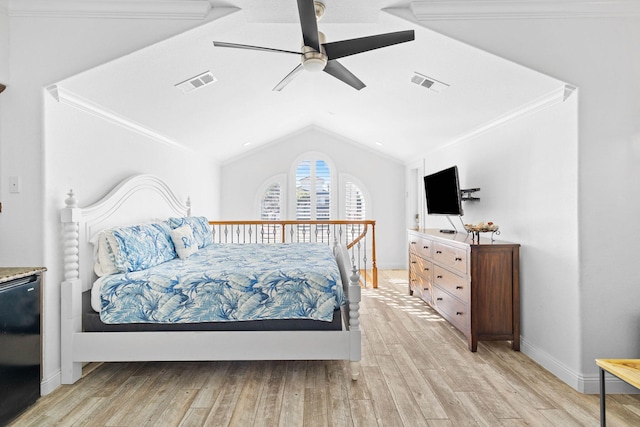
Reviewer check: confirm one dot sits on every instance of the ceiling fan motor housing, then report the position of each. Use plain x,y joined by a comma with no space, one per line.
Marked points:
311,59
319,9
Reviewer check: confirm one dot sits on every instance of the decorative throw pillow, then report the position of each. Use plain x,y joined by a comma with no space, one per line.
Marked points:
140,246
200,227
184,241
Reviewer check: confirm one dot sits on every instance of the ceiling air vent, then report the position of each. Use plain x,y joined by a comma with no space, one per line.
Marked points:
428,82
196,82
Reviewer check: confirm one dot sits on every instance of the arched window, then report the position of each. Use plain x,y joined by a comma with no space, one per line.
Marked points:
355,207
271,197
353,204
271,203
313,190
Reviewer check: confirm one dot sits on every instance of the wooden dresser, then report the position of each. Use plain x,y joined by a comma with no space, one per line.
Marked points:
475,286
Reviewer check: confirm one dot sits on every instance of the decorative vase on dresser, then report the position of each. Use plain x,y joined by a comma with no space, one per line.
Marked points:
472,284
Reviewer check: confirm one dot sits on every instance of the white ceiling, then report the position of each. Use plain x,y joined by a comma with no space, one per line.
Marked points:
240,111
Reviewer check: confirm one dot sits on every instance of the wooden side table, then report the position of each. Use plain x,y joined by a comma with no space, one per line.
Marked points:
628,370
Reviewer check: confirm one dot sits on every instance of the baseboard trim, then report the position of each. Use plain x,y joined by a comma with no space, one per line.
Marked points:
587,384
47,385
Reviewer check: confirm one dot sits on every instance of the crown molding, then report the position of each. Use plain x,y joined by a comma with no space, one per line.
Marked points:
122,9
69,98
433,10
548,100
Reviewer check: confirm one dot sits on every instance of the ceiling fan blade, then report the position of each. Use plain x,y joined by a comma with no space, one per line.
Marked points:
288,78
309,24
338,71
246,46
344,48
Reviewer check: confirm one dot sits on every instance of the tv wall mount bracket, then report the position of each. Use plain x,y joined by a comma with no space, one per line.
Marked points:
467,194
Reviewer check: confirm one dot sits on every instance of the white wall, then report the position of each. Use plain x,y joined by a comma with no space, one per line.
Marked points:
79,151
532,196
4,70
4,43
382,177
601,57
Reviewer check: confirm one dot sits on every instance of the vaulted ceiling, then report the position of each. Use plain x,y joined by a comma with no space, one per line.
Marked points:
239,111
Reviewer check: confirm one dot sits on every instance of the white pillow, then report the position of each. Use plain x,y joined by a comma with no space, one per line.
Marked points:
103,255
184,241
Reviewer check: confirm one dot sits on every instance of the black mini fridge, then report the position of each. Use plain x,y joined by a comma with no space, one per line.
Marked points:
19,345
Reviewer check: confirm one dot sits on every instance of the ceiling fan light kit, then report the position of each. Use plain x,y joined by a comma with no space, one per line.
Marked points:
312,60
318,55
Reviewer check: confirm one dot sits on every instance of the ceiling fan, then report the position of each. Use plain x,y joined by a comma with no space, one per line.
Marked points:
318,55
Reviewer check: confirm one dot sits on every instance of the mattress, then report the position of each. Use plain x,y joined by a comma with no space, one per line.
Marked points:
91,323
226,283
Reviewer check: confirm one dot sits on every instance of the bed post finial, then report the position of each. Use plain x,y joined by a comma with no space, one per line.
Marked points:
71,201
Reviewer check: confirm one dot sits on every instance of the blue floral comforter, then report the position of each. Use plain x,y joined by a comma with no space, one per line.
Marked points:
227,282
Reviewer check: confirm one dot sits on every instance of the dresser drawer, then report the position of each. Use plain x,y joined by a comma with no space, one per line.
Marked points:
451,309
450,256
413,281
420,246
420,286
422,267
452,283
425,293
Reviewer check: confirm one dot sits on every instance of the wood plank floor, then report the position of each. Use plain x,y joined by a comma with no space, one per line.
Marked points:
416,371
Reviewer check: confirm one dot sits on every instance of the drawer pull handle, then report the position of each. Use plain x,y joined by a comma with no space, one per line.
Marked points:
438,252
425,247
458,259
413,243
458,287
414,262
439,298
439,276
426,269
458,313
425,289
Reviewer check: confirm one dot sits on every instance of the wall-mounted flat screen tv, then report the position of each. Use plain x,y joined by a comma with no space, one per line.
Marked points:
442,190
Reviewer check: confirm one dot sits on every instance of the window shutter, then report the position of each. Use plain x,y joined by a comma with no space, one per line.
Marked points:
304,180
323,191
355,208
271,202
354,203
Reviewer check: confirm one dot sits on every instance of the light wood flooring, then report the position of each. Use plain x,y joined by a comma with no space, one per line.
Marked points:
416,371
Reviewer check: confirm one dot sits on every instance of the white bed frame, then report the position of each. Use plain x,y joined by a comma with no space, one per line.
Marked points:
144,198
